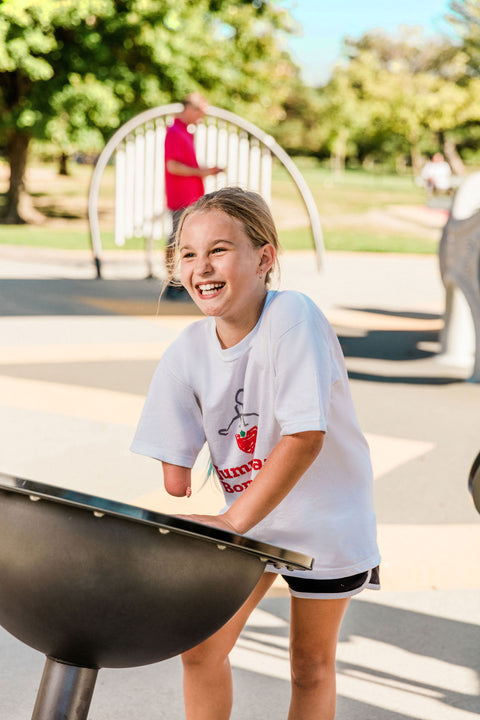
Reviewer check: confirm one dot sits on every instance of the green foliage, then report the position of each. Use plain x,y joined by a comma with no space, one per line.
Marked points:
72,66
393,99
71,71
81,110
35,67
464,18
300,132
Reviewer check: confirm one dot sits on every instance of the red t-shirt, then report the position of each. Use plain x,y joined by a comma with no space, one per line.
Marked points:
181,190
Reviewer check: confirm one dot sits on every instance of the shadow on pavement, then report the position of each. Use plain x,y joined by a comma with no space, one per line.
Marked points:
424,638
390,343
420,658
404,353
396,313
71,296
393,664
387,344
140,297
404,379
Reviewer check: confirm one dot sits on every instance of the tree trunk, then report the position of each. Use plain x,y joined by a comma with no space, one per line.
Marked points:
339,153
453,158
400,164
417,160
62,164
19,208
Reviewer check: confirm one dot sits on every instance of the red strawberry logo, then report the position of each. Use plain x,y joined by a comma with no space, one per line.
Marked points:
246,440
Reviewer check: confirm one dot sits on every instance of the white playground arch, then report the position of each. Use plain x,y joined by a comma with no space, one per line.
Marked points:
221,138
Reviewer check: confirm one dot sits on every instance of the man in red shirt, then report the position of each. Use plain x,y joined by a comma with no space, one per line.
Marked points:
183,174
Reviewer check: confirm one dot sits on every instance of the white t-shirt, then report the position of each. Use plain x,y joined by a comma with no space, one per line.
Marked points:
286,376
439,173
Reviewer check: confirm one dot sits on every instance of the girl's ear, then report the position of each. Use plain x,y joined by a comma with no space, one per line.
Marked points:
267,258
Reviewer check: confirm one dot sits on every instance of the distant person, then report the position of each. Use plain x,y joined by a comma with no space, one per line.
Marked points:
183,175
437,175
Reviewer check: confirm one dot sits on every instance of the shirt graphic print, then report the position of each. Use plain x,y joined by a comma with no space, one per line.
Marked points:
242,425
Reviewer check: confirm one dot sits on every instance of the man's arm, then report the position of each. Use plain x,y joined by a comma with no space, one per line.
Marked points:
175,167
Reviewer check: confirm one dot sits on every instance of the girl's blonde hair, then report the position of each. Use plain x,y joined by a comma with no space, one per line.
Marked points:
244,205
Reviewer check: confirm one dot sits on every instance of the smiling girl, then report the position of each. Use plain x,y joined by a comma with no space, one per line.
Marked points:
262,380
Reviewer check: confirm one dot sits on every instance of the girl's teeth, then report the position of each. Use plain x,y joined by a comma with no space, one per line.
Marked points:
209,289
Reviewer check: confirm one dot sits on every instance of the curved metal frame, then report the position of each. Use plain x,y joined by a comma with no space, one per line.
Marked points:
474,482
219,114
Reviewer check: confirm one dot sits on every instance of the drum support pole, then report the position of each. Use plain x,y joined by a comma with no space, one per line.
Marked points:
65,692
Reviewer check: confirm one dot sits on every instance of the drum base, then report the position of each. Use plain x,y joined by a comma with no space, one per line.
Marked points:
65,692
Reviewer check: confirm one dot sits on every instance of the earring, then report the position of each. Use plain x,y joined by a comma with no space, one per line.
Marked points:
260,274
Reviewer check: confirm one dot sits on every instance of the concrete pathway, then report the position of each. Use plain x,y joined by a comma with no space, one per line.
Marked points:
76,357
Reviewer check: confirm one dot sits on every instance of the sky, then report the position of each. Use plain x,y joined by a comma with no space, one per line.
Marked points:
326,22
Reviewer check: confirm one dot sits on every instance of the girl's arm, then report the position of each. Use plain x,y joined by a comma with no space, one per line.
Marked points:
289,460
177,480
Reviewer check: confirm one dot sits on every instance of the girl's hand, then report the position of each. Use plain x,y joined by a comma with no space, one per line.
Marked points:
217,521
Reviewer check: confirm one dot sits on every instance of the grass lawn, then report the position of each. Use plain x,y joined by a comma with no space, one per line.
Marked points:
300,239
62,238
344,204
354,191
352,240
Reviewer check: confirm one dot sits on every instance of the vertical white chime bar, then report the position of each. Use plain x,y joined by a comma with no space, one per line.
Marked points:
211,156
120,196
222,154
201,143
139,170
232,163
243,153
129,186
266,182
159,186
149,187
255,166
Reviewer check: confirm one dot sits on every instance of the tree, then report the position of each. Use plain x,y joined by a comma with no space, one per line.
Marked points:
72,71
464,18
404,87
346,117
300,131
430,91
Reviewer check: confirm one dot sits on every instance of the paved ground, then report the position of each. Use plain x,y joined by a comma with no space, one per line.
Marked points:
76,356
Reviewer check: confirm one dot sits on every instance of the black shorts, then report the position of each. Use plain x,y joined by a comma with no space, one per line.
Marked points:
305,587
